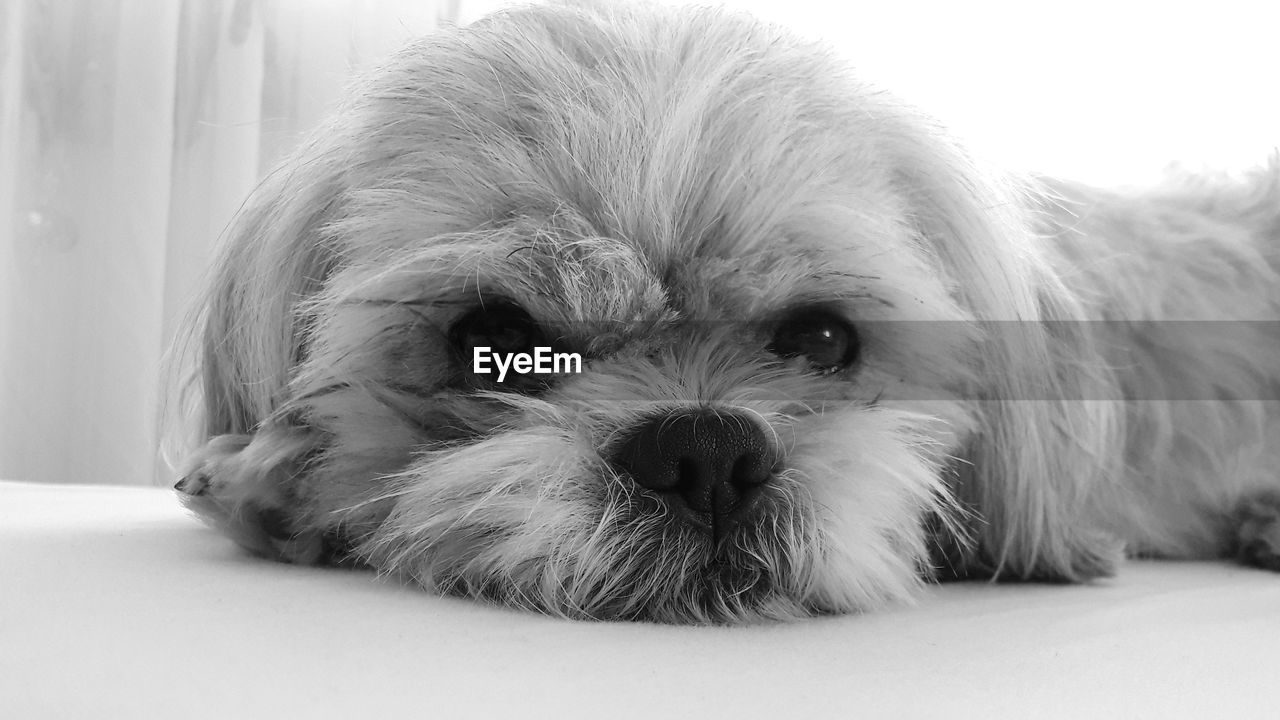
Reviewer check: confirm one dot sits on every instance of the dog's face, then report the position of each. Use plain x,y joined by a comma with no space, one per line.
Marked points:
780,286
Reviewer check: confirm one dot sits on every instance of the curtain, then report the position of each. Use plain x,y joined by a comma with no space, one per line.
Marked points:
130,132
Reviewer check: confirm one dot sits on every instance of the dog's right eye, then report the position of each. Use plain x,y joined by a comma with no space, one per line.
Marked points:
825,339
506,330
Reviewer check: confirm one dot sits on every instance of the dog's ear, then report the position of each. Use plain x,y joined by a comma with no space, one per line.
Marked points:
1047,430
249,331
244,342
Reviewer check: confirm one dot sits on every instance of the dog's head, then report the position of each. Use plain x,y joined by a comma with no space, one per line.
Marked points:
781,300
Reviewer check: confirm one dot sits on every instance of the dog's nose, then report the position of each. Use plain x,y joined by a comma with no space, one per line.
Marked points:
710,463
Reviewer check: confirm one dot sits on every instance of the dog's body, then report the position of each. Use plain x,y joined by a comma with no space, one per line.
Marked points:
826,358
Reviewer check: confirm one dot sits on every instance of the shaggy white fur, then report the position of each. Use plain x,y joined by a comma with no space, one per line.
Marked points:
1043,373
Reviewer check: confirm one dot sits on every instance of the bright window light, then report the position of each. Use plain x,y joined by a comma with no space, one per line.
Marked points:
1108,92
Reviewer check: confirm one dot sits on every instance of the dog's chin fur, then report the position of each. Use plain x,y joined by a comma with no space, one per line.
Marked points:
657,188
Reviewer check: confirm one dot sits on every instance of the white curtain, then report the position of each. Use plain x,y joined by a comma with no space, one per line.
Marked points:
130,131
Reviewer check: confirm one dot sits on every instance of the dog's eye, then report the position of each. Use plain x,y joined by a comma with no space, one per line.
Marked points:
506,330
823,338
501,328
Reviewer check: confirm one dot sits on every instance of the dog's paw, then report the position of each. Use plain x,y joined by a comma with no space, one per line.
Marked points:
243,485
1258,531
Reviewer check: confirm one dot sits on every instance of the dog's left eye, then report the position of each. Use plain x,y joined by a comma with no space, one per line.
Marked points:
823,338
502,328
506,330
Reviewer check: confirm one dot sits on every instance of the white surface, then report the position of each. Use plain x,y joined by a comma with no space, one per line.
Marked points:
115,603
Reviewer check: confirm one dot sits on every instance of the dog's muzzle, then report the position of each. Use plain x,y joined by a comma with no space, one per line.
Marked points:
708,466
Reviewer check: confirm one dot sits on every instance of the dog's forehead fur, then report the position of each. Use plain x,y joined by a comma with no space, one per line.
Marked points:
686,144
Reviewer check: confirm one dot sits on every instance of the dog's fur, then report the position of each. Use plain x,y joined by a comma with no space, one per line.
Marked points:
658,188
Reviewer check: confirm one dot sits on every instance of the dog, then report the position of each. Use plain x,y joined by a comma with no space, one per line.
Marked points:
815,356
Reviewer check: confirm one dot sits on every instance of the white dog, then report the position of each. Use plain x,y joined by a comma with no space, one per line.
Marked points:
822,359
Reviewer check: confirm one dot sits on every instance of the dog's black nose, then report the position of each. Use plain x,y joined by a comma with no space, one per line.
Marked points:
711,464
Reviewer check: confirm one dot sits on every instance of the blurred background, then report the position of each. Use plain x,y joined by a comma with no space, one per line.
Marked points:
131,130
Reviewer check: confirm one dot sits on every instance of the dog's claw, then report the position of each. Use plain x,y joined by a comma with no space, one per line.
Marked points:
194,484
